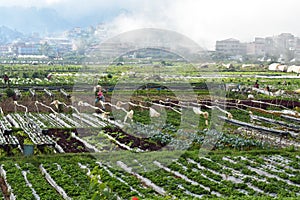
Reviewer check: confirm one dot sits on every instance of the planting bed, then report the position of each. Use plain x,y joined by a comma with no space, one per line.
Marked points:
127,175
66,141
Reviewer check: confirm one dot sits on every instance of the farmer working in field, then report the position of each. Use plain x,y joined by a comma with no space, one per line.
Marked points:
99,95
256,85
6,79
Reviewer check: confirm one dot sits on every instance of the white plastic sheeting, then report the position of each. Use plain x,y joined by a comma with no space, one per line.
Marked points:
294,68
54,184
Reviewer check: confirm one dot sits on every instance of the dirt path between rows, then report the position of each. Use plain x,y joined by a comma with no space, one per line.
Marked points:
4,188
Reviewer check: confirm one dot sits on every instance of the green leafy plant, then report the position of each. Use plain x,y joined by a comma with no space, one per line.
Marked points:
27,141
9,92
103,192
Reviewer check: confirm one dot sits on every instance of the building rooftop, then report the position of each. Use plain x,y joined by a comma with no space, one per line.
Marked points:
229,40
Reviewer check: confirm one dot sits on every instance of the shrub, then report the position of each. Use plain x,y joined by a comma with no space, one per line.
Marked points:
10,93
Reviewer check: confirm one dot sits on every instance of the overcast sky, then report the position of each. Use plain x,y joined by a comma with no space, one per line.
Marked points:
205,21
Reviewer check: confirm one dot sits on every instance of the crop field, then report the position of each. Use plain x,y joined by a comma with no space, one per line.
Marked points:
190,176
163,132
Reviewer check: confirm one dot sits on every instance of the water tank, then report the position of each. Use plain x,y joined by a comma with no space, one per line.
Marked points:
28,149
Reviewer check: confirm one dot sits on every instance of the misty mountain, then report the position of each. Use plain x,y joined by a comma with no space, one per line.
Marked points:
8,35
49,20
28,20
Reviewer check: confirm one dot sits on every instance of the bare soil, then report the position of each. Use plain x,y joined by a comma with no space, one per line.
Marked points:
4,188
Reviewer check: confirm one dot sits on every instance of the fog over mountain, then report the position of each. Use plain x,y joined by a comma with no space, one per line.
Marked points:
8,35
29,20
48,20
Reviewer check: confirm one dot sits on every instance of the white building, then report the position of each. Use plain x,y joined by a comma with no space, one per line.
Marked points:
229,47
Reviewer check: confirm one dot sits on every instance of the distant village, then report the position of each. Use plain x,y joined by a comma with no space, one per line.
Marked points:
283,48
56,47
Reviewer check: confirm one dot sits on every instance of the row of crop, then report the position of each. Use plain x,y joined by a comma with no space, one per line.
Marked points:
32,129
74,181
33,125
73,178
157,137
53,129
152,138
70,178
125,185
188,177
27,182
99,140
289,174
192,181
6,139
255,173
240,110
202,176
57,80
142,127
220,174
45,121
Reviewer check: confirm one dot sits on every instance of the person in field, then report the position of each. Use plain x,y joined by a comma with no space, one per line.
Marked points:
256,85
6,79
99,96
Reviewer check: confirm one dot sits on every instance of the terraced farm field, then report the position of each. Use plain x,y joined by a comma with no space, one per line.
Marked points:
145,141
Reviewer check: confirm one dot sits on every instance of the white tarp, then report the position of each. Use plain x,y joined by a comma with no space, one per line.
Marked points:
294,68
282,68
273,66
